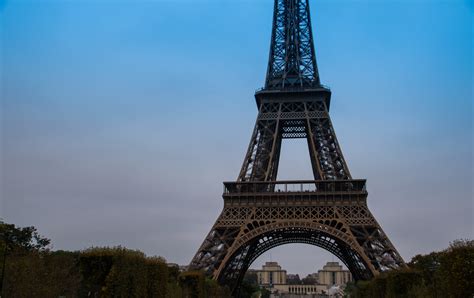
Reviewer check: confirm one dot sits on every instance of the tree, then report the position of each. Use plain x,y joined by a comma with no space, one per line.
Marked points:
26,239
447,273
248,289
251,278
456,269
121,272
265,293
309,280
293,279
193,284
48,274
19,240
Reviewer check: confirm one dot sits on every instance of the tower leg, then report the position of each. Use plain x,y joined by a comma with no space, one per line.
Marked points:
346,229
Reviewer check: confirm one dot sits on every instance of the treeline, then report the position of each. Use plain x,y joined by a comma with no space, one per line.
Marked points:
449,273
30,269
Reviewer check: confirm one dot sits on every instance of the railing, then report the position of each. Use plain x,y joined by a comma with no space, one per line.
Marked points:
302,186
297,88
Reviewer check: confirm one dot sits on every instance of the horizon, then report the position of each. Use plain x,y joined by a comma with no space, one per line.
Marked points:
121,121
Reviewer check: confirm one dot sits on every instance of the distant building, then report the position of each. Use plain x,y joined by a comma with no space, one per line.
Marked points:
333,274
271,274
328,282
283,290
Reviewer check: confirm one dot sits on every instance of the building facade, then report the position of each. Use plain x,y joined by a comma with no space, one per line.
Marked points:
274,278
300,289
271,274
333,274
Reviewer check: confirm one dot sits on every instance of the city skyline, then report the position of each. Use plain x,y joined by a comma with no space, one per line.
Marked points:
108,116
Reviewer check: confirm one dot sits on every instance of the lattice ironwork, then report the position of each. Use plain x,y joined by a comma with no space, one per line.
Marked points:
344,227
292,62
295,119
261,213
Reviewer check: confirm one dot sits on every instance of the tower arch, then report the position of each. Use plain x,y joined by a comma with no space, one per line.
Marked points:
269,236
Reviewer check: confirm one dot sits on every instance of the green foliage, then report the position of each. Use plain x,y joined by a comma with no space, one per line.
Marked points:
309,280
350,289
119,272
457,269
400,283
21,239
265,293
37,274
214,290
359,289
193,284
32,270
251,278
294,281
248,289
103,272
249,286
448,273
16,241
95,265
378,286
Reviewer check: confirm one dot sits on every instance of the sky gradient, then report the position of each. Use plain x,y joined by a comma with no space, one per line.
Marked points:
121,119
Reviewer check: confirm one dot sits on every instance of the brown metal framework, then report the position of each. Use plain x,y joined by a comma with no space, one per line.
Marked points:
292,63
261,213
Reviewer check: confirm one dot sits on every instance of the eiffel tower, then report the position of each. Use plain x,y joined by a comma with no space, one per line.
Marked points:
260,212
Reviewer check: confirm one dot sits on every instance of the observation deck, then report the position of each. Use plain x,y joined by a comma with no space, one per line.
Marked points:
321,192
287,94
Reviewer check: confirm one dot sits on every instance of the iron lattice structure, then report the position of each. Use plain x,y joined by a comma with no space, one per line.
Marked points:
292,62
260,212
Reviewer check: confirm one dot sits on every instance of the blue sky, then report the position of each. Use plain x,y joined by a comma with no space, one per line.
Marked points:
121,119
